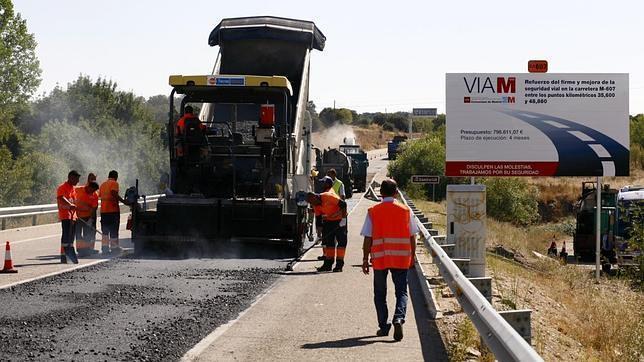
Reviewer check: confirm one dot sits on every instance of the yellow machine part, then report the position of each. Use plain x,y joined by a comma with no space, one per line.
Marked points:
221,80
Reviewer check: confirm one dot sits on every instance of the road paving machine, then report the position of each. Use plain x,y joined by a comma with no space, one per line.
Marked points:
240,170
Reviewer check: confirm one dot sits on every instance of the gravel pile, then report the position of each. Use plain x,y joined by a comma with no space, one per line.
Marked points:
124,310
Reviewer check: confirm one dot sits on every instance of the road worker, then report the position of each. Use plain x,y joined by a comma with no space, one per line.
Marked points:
65,198
389,234
180,128
86,205
110,213
338,185
334,227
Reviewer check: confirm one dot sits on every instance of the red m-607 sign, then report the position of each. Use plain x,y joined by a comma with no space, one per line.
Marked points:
425,179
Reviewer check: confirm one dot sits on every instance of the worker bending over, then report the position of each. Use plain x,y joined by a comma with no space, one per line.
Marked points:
86,205
389,234
110,213
333,211
65,198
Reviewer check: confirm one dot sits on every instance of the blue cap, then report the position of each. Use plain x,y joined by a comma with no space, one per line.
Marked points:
326,180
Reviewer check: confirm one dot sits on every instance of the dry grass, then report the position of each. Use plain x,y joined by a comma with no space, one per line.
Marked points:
573,318
372,137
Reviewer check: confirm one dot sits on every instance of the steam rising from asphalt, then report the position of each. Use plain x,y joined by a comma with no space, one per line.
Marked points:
333,136
86,151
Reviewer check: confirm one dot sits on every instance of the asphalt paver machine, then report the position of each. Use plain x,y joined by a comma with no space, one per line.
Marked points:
241,170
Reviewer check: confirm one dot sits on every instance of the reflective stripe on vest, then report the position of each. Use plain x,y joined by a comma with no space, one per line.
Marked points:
391,245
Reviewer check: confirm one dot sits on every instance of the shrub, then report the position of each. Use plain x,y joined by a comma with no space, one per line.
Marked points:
512,200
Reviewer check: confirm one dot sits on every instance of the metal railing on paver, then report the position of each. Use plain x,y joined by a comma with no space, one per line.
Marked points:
504,341
7,213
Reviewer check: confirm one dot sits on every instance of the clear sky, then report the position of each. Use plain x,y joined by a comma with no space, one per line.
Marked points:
379,55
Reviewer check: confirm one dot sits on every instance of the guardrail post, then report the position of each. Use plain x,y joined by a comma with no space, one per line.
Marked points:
4,224
463,265
34,218
520,321
484,285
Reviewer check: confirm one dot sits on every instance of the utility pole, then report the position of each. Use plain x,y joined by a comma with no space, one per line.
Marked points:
598,221
334,104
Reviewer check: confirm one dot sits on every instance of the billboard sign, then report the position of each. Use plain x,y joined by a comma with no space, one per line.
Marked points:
424,112
425,179
529,124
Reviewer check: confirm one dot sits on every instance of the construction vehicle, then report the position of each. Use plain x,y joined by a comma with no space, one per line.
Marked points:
394,145
629,198
584,239
333,158
359,163
242,169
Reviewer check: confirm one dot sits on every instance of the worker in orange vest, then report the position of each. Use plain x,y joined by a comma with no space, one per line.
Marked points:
389,234
86,205
180,128
110,213
334,225
65,198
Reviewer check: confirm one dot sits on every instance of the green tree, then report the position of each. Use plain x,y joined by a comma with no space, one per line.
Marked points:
420,157
19,67
512,199
315,117
331,116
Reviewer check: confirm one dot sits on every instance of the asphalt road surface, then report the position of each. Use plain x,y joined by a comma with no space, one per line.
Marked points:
128,309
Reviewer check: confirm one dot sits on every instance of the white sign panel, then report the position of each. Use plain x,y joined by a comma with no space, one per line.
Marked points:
424,112
537,124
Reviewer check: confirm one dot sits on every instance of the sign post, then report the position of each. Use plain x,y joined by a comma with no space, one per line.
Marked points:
427,180
421,112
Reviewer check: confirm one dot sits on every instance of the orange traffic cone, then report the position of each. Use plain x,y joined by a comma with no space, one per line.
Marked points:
8,264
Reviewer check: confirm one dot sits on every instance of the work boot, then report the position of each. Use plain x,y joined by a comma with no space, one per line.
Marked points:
383,331
63,259
105,250
326,267
70,253
398,331
116,250
321,257
338,266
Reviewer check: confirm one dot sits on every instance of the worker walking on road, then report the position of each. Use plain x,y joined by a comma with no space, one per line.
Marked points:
389,234
86,205
65,198
333,211
110,213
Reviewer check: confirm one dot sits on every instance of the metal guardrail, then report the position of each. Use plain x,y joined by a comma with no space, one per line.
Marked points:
504,341
35,210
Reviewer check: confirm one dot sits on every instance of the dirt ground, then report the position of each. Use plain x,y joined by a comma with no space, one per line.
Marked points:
573,318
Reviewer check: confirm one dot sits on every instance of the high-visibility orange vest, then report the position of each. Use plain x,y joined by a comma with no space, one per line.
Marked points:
85,202
330,207
391,247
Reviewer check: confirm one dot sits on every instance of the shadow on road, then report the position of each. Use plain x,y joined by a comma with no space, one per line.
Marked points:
348,342
431,341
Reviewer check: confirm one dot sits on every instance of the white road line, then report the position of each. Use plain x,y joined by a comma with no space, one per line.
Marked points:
609,168
599,150
529,115
195,352
48,236
582,136
556,124
79,266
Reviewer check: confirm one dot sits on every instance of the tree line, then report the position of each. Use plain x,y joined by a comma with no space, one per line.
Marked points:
89,125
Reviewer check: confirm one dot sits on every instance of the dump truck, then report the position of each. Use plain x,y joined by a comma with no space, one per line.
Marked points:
359,165
333,158
240,171
394,145
584,239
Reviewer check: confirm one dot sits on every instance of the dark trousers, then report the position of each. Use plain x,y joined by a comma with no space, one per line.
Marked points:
110,222
399,277
68,230
332,232
85,235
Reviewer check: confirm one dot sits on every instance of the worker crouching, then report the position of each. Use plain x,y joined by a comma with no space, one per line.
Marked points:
86,205
334,225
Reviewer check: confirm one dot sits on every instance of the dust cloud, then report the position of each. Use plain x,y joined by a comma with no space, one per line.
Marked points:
334,136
